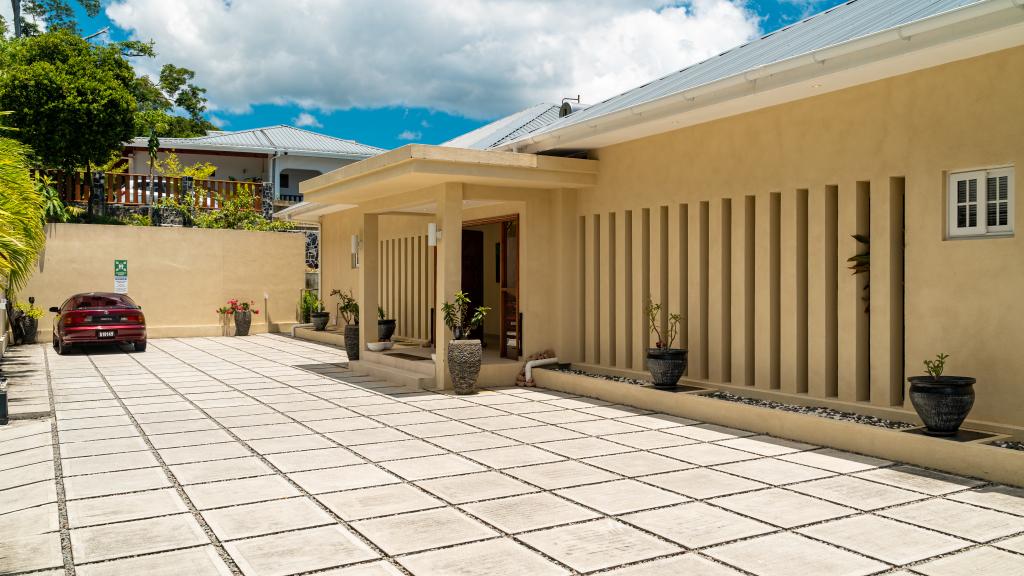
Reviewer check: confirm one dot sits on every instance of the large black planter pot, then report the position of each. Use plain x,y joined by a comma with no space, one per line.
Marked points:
352,341
31,329
666,365
464,358
942,403
243,319
385,330
320,320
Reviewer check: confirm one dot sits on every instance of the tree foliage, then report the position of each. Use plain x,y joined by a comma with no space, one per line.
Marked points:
157,102
240,213
70,99
57,14
21,217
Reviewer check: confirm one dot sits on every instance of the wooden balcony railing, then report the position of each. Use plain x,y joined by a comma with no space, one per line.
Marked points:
139,190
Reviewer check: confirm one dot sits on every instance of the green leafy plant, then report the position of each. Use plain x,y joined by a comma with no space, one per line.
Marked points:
458,319
308,303
137,220
860,263
653,321
348,307
21,216
30,310
934,368
239,213
381,314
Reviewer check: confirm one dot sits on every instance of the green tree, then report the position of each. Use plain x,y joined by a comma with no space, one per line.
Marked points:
158,101
57,14
70,100
21,217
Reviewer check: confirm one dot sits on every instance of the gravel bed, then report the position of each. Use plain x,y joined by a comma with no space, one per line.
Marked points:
813,411
1010,444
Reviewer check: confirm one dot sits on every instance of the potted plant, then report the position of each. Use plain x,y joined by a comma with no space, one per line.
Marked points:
29,320
385,326
308,303
942,402
243,312
665,363
464,355
348,311
320,317
225,313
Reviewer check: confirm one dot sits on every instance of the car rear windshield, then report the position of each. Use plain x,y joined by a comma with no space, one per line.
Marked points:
101,301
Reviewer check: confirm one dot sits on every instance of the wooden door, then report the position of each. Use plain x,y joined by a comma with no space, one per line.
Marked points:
473,272
511,326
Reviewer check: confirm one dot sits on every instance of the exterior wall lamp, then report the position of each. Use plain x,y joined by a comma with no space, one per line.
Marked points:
355,250
433,234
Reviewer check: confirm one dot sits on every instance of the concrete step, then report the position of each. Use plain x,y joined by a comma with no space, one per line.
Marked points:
425,366
394,375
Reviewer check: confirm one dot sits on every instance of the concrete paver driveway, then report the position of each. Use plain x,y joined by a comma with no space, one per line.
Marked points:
264,456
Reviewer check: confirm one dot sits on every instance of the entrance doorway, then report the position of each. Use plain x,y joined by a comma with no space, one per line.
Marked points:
490,276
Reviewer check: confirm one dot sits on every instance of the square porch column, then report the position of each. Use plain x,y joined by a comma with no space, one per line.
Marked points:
369,272
449,272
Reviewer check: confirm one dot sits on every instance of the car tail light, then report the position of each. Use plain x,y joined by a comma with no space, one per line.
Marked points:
76,318
133,318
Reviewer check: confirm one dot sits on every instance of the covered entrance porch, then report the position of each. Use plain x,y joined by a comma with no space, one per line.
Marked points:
505,233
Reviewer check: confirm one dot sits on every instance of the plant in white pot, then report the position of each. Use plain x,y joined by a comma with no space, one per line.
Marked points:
665,363
464,355
348,310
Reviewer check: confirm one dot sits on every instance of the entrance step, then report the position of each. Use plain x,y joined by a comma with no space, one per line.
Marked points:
402,357
394,374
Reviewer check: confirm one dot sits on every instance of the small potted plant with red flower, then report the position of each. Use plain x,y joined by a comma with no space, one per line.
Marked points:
242,312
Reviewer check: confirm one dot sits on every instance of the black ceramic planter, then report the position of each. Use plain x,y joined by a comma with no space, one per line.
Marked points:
320,320
243,320
385,330
942,403
352,341
666,366
31,330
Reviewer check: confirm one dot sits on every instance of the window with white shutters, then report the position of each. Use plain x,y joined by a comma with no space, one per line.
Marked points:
981,202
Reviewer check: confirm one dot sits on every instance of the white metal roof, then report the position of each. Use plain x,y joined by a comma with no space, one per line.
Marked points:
507,129
840,24
271,139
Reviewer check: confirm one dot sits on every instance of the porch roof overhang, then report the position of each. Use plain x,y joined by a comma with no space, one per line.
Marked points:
418,166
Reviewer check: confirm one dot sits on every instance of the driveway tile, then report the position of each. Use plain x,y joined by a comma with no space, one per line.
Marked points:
26,457
602,427
649,439
396,450
511,456
963,520
27,496
31,552
270,431
710,432
422,530
980,561
856,493
378,501
488,558
689,564
265,518
561,474
658,421
187,454
26,474
202,561
584,447
702,483
637,463
137,537
473,487
432,467
343,478
475,441
772,471
289,444
212,471
622,496
782,507
98,447
313,459
29,522
432,429
528,512
173,427
787,554
886,540
835,460
562,416
1000,498
124,507
920,480
189,439
766,445
705,454
115,483
104,433
298,552
368,436
598,544
696,524
234,492
544,433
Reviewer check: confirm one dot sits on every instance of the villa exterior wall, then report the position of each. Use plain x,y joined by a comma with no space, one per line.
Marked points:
744,226
179,276
756,214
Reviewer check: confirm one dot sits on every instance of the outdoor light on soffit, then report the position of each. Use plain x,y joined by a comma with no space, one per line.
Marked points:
433,234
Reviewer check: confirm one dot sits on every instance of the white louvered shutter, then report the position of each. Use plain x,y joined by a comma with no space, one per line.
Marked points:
966,212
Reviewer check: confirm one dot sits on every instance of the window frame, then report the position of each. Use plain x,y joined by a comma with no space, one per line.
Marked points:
981,229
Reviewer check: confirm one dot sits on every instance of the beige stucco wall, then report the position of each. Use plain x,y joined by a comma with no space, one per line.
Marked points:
179,276
743,226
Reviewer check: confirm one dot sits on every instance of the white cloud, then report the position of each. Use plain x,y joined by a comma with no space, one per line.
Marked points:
307,119
218,121
476,58
410,135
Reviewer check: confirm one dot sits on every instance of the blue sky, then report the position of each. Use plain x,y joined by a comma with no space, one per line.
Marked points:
383,84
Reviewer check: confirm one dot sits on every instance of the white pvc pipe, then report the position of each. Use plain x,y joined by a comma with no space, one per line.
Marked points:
532,363
310,325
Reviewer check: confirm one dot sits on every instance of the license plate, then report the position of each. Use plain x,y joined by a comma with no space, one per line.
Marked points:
105,334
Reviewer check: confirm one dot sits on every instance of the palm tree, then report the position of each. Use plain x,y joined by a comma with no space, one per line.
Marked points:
21,217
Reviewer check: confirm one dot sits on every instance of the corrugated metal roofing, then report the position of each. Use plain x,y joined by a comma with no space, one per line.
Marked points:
507,129
272,139
845,22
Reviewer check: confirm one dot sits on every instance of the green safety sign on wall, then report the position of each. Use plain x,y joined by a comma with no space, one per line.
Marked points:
121,276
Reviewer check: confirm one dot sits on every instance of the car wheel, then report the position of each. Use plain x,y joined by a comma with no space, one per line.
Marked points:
62,348
140,346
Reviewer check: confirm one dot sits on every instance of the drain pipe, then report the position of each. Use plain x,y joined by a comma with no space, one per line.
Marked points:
532,363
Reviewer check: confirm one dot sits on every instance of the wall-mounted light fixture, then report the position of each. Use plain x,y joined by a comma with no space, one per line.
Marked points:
355,250
433,234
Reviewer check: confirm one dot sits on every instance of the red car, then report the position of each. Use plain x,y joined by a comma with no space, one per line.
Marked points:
98,318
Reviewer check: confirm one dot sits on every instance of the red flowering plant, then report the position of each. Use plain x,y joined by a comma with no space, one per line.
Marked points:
234,305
